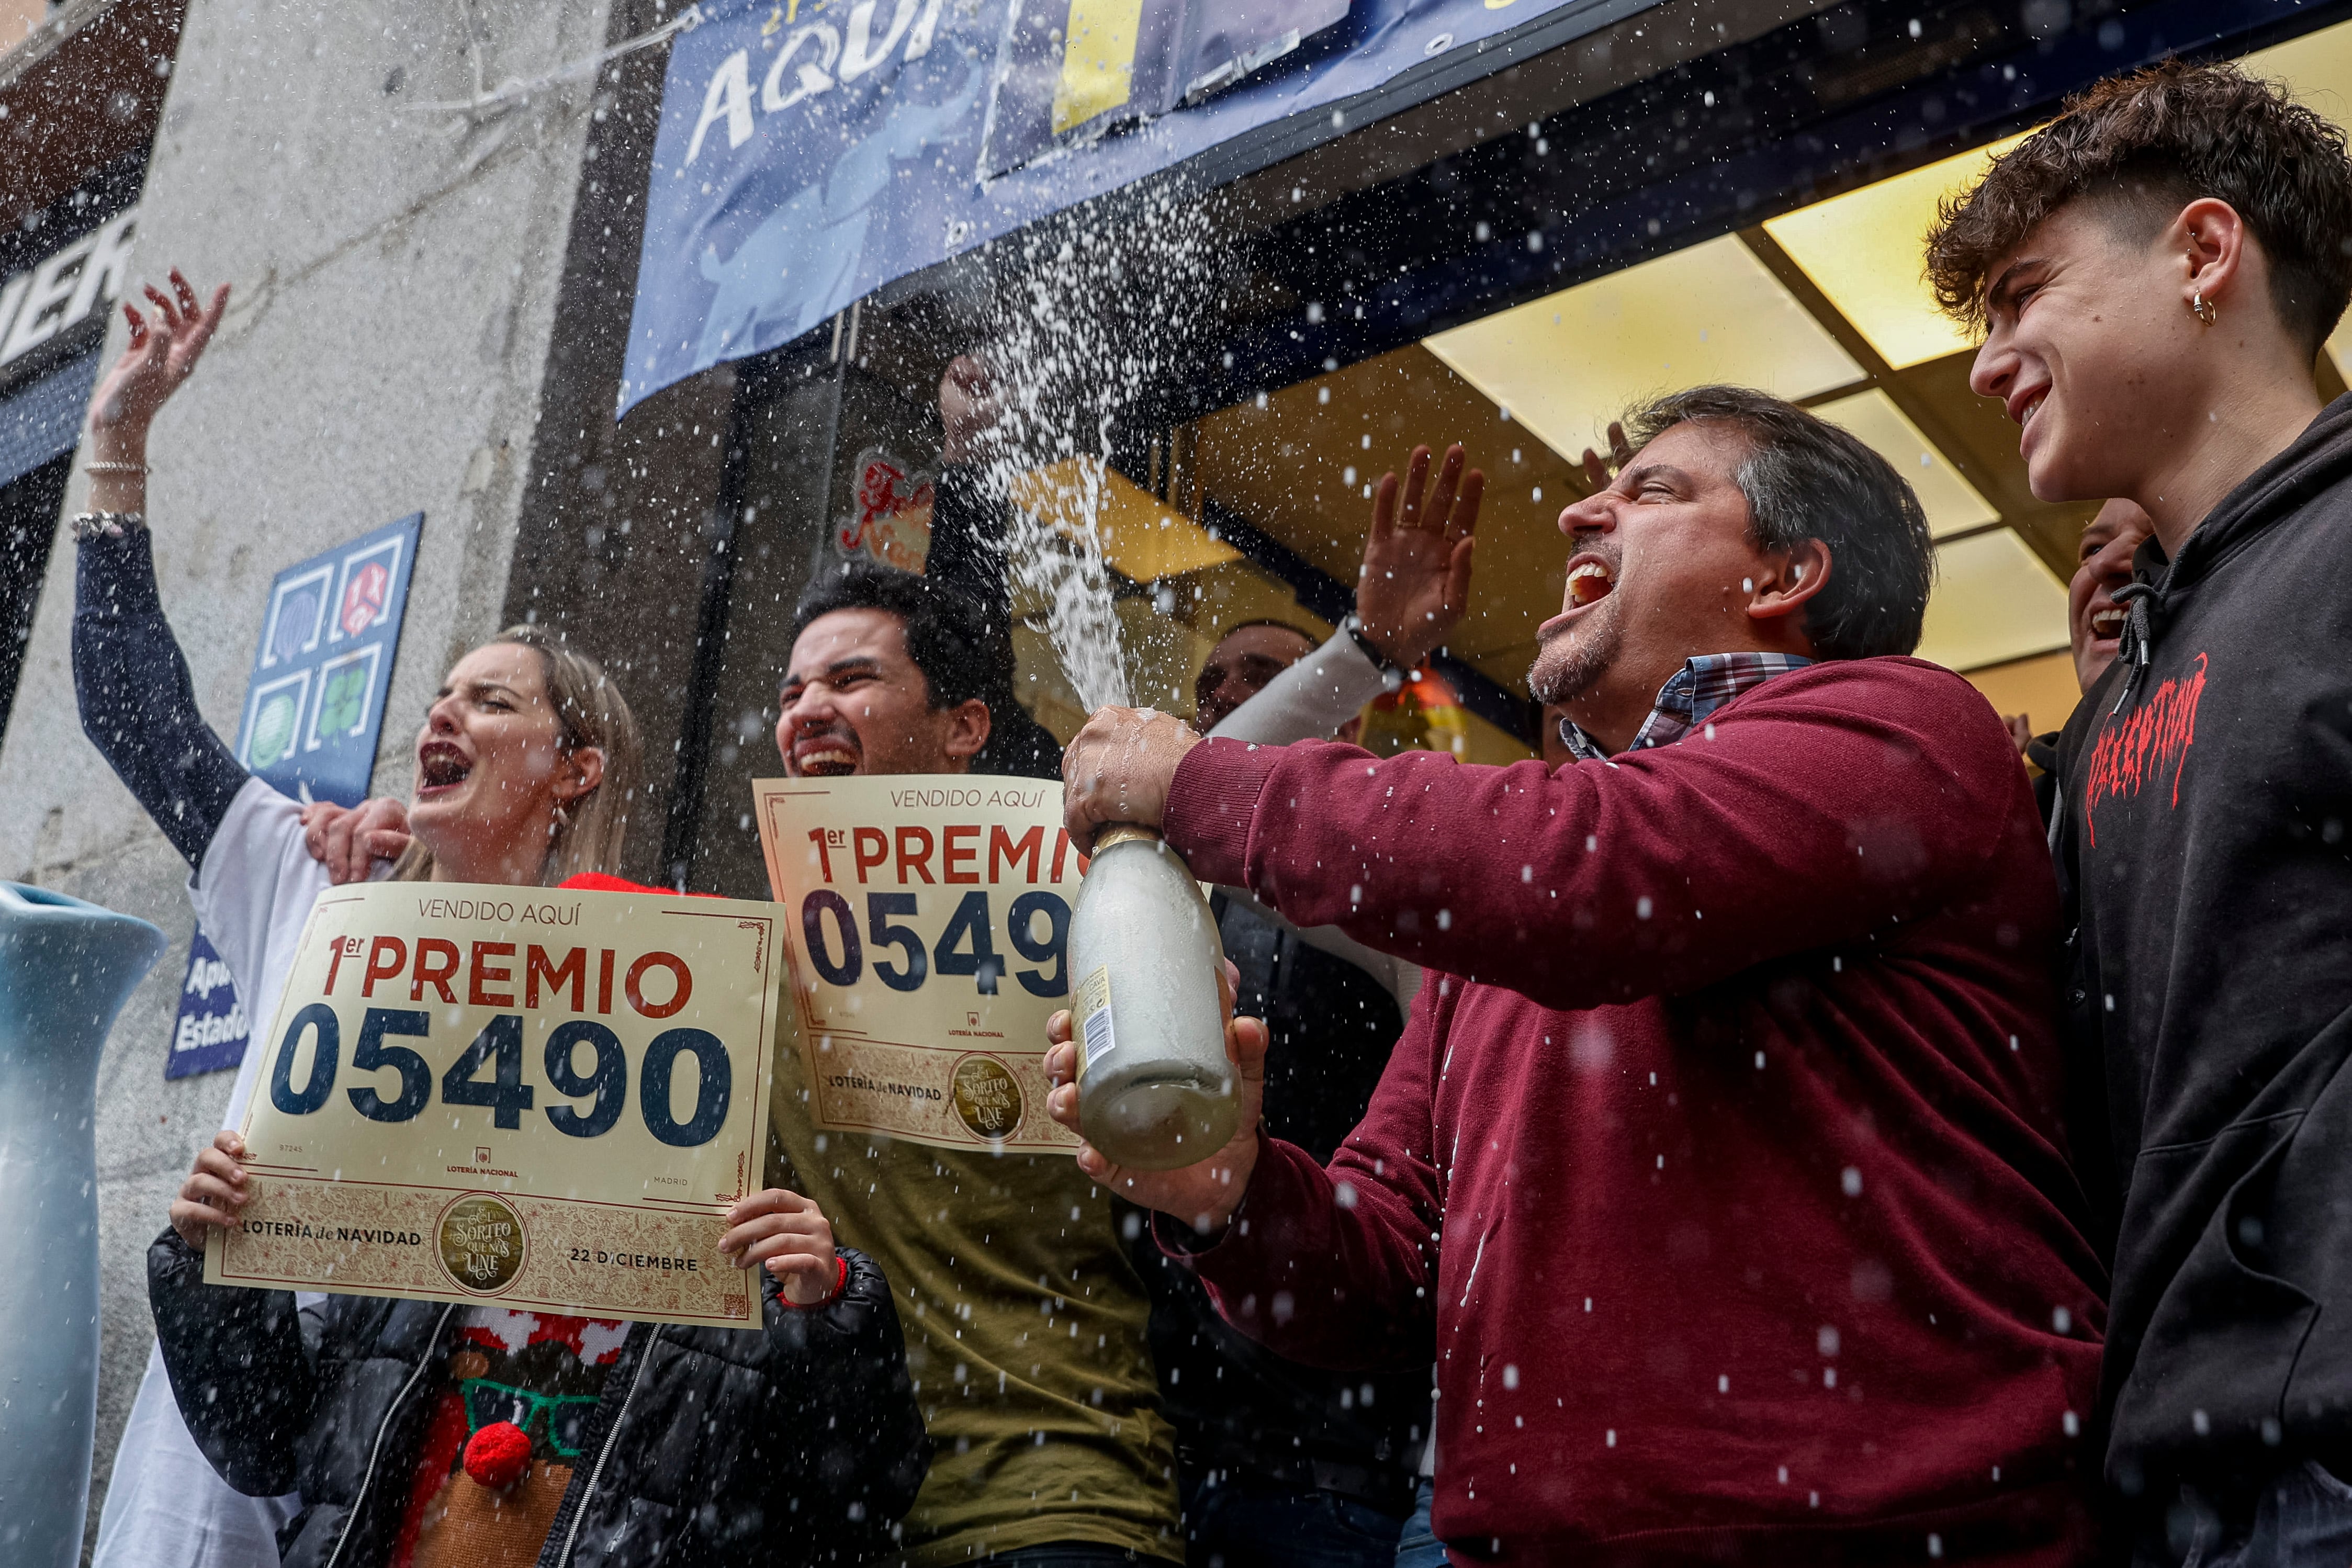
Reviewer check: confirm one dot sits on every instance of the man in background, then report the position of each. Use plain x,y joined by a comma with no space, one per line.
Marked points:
1244,663
1280,1463
2094,621
2094,626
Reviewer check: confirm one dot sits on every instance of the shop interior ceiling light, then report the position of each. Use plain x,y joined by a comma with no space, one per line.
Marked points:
1567,364
1994,601
1862,250
1953,504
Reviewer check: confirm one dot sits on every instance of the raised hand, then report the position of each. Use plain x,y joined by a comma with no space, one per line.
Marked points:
161,354
215,1192
1202,1196
1598,470
790,1237
349,840
969,410
1415,579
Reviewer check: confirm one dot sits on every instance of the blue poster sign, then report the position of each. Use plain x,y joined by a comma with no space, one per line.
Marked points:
811,151
315,703
313,708
211,1030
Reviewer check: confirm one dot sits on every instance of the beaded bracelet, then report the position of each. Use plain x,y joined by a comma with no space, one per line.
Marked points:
89,526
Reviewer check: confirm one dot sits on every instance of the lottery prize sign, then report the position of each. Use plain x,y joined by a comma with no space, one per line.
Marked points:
929,919
537,1097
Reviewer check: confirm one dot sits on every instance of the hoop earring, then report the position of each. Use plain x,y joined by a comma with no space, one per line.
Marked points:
2201,308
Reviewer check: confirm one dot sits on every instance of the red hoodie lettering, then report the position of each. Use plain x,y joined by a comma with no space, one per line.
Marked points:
2153,739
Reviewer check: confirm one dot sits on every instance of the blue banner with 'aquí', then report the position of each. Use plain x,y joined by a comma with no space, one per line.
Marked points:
811,151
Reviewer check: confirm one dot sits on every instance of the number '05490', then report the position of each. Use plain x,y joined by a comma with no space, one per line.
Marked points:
490,1072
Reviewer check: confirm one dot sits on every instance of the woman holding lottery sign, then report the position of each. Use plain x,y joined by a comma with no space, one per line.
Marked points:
419,1433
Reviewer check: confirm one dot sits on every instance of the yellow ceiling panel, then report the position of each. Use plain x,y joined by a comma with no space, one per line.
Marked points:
1994,601
1142,538
2043,688
1567,364
1952,503
1866,250
2317,69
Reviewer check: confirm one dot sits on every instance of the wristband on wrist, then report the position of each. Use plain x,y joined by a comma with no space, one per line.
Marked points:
840,1283
107,467
1392,672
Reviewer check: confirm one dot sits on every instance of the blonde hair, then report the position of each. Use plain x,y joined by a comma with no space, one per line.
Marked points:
588,832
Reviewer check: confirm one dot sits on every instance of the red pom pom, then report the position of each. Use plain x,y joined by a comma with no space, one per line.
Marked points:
498,1455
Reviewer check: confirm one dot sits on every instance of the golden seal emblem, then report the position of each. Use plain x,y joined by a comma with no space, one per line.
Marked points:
481,1243
987,1098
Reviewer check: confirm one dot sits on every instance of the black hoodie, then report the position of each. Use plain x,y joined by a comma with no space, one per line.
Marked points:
2206,838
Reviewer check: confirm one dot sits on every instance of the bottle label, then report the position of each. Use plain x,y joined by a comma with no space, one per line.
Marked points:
1094,1016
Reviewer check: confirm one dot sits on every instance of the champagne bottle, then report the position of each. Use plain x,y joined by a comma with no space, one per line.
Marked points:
1156,1090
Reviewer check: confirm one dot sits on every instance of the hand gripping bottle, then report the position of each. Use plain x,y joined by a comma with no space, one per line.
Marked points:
1156,1090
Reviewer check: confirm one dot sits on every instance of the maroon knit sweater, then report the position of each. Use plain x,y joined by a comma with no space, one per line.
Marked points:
1721,1162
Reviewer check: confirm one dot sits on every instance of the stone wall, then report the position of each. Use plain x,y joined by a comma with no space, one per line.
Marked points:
396,269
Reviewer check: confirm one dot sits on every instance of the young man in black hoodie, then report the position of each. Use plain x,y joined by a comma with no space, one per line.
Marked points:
2155,272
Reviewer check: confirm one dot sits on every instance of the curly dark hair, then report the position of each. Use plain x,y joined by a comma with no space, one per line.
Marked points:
1805,478
949,637
2147,144
962,651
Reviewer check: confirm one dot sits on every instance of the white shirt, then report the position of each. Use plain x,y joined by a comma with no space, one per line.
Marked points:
166,1507
252,894
1308,701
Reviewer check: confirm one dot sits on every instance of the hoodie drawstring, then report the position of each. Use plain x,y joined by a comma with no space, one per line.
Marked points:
2139,634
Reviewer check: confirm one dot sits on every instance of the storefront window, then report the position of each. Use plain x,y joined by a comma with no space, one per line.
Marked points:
1258,510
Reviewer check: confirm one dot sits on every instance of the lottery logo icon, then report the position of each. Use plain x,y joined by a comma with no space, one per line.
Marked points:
481,1243
295,618
342,700
364,598
987,1097
273,727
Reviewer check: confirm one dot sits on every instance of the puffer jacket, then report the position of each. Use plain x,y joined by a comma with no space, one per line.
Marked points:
799,1444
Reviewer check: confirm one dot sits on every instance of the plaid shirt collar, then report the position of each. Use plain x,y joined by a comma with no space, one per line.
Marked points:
1690,695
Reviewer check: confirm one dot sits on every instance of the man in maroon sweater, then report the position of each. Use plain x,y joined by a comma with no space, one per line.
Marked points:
1720,1164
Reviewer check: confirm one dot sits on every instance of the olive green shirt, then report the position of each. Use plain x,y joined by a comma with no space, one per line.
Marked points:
1025,1322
